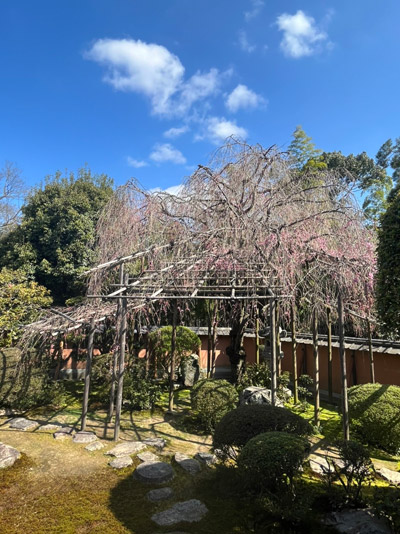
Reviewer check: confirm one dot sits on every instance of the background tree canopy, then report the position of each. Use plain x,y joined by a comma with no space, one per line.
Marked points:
388,280
55,241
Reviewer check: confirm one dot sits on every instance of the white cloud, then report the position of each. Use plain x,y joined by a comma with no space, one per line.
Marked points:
301,36
255,10
175,190
152,70
137,164
218,129
172,133
243,97
244,43
167,153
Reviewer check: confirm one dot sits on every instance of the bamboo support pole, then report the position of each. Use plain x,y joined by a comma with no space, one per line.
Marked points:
88,370
114,372
371,353
294,354
277,341
257,337
273,351
121,366
316,369
173,350
330,376
342,351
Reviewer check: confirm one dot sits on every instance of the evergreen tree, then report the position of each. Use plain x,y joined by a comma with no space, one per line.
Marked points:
302,148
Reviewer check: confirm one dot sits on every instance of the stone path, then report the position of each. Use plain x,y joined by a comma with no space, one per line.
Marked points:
126,448
154,472
190,465
20,423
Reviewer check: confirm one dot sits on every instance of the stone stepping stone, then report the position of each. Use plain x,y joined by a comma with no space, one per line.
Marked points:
357,522
84,437
64,432
126,448
206,458
95,446
190,511
158,443
387,474
50,427
121,462
148,456
20,423
160,494
154,472
190,465
8,455
320,465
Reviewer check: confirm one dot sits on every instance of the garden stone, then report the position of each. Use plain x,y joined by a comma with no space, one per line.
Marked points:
120,462
148,456
190,511
190,370
158,443
160,494
50,427
126,448
357,522
8,455
63,433
206,458
154,472
95,446
84,437
258,395
190,465
20,423
391,476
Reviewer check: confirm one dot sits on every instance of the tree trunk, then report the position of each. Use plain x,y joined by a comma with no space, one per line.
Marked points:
173,349
114,373
121,365
345,405
330,377
273,350
294,354
371,353
316,369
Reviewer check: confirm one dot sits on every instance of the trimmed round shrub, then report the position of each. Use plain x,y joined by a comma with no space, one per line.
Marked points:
374,412
237,427
270,461
212,399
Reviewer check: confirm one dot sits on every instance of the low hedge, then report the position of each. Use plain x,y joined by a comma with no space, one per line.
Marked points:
212,399
238,426
270,462
374,413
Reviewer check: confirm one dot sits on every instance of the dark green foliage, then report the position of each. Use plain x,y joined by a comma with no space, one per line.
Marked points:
353,470
305,383
26,383
387,505
21,301
55,241
302,148
374,412
256,375
237,427
140,390
388,279
187,342
212,399
270,462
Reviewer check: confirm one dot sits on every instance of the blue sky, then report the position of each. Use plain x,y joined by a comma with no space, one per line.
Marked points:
150,88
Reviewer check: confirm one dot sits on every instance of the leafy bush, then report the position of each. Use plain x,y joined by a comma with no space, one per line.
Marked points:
387,505
305,384
26,380
260,375
187,342
212,399
374,415
140,390
270,461
352,471
237,427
